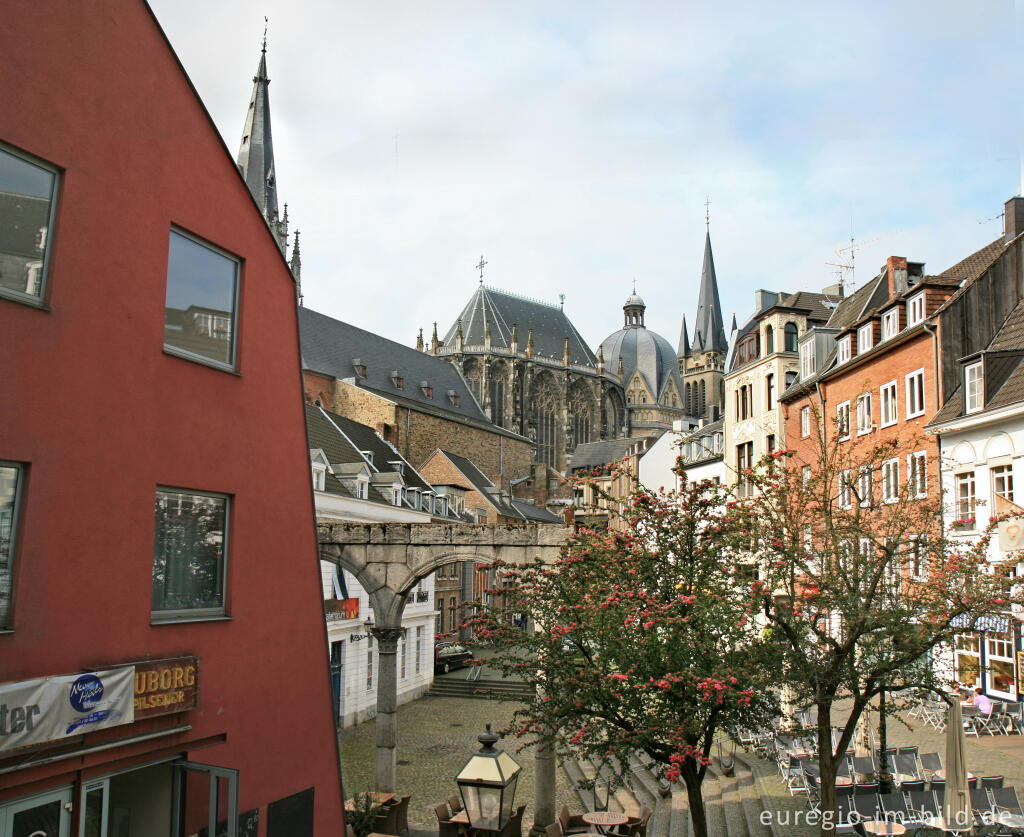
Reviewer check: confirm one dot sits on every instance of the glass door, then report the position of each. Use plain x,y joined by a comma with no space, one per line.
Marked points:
205,799
95,808
46,815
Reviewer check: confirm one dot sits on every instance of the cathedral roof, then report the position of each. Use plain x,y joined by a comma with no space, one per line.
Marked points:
641,350
501,310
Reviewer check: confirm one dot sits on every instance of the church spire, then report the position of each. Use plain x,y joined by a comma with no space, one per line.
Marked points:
296,263
256,153
709,335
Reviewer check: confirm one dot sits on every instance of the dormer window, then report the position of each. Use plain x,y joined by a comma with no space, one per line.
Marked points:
453,398
427,389
397,380
362,488
319,476
865,337
974,387
397,465
890,323
807,359
915,309
845,348
359,367
368,454
396,494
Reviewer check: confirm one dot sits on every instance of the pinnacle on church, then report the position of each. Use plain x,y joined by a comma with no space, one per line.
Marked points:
419,341
684,341
709,335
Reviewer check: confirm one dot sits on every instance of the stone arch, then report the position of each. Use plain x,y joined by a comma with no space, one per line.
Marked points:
791,334
998,444
615,412
964,454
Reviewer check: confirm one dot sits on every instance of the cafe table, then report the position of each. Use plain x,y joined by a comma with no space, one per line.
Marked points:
603,820
378,797
941,824
941,774
880,827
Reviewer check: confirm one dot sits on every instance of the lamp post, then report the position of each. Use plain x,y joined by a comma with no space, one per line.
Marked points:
488,784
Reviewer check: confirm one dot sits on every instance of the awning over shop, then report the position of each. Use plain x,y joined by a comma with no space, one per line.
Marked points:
1000,624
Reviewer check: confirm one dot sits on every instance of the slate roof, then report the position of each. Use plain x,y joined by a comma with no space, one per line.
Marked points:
502,310
640,348
480,482
1009,339
851,308
329,347
709,329
969,270
592,455
256,154
534,513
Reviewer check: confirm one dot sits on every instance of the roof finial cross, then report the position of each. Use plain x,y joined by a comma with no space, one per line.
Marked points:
707,212
266,22
480,266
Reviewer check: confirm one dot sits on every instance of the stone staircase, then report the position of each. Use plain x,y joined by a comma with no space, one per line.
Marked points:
733,803
480,689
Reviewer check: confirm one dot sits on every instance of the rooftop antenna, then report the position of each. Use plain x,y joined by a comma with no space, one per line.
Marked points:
266,22
480,266
561,297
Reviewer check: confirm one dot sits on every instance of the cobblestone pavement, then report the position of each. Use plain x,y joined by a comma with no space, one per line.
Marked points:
436,736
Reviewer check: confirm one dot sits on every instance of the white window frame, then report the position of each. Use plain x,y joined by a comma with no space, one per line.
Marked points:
11,536
915,388
805,421
890,323
965,479
891,480
918,558
319,476
805,476
845,348
1001,473
974,387
865,485
865,422
843,421
865,338
917,473
915,309
807,358
845,496
887,395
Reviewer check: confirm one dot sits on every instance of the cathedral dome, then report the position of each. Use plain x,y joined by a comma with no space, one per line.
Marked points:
644,351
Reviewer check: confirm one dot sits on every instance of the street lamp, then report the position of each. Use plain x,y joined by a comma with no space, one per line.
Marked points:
488,785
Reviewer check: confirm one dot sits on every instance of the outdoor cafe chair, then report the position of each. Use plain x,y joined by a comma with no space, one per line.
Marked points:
847,818
554,830
387,820
843,766
867,789
971,714
991,781
912,785
989,722
571,824
455,804
905,765
937,785
922,804
930,762
867,807
445,827
894,807
402,814
1014,719
514,827
864,765
1005,799
981,807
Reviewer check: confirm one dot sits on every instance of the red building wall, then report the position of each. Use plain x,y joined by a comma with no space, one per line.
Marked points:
102,415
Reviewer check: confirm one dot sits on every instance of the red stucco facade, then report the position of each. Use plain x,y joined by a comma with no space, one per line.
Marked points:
99,415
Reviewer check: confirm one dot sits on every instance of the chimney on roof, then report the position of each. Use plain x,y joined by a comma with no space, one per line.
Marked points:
896,271
764,299
1013,218
834,291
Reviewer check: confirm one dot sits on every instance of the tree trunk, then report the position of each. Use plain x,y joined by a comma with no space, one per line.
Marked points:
827,764
698,815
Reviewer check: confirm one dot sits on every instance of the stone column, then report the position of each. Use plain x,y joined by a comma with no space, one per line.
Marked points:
543,788
387,704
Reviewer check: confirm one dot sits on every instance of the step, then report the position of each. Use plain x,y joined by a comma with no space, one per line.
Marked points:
679,817
714,808
572,770
732,804
621,795
641,782
654,787
753,805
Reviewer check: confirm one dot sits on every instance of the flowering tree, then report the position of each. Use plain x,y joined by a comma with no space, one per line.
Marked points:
858,583
644,640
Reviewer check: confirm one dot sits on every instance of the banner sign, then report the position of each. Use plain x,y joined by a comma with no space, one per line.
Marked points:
166,686
982,623
52,708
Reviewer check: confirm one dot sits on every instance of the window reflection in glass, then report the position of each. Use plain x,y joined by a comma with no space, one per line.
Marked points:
27,196
188,551
10,485
199,318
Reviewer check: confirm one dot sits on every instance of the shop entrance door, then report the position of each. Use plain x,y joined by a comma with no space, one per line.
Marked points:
206,800
46,815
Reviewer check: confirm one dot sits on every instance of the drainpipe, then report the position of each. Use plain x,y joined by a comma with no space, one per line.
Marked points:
938,406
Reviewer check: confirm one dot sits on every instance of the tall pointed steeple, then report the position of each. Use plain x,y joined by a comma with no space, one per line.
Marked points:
684,341
710,330
256,154
296,265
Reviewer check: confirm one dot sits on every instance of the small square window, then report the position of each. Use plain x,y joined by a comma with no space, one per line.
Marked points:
189,549
28,201
11,480
202,296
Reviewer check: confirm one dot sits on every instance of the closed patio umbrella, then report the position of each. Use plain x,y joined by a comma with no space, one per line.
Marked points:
862,737
956,802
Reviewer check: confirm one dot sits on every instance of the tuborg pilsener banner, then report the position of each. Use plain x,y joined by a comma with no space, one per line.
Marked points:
51,708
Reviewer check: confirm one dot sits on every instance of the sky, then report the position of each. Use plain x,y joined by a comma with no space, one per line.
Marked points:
574,144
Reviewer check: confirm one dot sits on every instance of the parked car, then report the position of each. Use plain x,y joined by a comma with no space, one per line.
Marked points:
449,655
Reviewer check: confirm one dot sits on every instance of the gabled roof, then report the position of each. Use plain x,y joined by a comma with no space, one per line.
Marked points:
534,513
853,307
330,346
968,271
478,480
501,310
590,455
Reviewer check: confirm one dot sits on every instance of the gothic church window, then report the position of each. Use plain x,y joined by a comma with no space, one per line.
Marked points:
581,418
547,436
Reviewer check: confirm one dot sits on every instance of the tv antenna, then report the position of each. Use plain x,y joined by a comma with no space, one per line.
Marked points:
848,259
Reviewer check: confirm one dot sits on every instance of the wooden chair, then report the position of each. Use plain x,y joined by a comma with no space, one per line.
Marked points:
455,804
554,830
514,827
387,821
